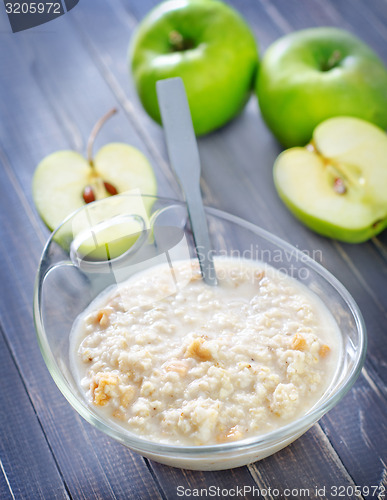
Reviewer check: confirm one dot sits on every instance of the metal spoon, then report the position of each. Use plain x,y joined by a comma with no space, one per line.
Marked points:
184,157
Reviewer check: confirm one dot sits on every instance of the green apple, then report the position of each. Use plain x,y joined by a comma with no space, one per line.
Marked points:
337,184
65,181
311,75
209,46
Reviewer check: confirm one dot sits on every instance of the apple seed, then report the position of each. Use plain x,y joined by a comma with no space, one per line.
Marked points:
339,186
88,194
110,188
311,147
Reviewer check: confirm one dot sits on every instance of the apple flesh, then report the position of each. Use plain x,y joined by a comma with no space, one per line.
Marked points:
311,75
208,45
337,184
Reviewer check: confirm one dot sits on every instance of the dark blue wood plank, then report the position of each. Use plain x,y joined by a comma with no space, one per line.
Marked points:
6,492
28,468
361,415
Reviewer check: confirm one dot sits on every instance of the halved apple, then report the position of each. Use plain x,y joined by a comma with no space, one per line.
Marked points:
65,181
337,184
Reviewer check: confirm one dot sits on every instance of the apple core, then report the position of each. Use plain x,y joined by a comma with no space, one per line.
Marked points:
89,194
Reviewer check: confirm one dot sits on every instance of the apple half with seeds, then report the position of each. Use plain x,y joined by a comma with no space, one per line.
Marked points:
66,181
337,184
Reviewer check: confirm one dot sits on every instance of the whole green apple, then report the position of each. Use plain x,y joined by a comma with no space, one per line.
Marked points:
315,74
209,46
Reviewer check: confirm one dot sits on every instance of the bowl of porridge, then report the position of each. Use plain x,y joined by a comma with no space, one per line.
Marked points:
184,373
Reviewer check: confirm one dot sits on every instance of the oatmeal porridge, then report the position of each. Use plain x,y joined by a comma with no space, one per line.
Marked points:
176,361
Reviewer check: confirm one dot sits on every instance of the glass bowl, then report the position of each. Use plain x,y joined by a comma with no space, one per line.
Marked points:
76,265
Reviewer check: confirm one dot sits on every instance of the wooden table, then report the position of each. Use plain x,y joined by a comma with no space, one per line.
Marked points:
56,81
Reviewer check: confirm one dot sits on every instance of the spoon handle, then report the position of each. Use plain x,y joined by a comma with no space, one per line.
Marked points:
184,157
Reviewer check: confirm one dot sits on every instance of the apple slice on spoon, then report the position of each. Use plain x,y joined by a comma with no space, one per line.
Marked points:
337,184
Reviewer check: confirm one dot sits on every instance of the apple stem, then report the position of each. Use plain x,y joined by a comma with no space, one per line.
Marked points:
178,42
332,61
97,127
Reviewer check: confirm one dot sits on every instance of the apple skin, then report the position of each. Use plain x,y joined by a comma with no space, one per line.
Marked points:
218,71
297,91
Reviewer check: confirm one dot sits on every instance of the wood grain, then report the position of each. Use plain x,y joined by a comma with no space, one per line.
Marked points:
27,464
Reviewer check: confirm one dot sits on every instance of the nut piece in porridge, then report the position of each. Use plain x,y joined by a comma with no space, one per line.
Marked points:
324,350
204,365
233,434
298,342
177,366
197,350
101,386
102,317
